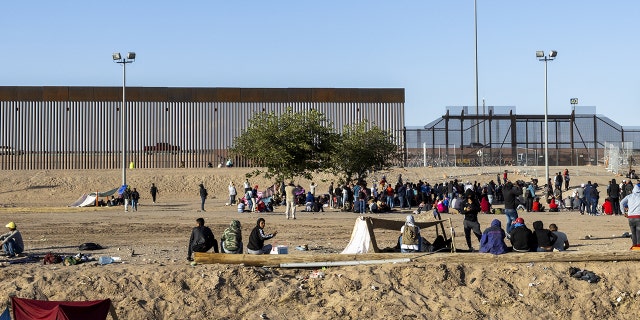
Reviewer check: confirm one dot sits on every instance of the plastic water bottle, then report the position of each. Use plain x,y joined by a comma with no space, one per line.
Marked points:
105,260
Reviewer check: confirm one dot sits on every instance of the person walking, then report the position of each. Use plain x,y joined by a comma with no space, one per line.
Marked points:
203,196
631,204
126,195
154,192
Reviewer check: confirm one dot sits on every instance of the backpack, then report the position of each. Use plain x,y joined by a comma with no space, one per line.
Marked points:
51,258
410,235
90,246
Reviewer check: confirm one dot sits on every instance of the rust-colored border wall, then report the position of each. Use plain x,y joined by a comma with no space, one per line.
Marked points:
164,94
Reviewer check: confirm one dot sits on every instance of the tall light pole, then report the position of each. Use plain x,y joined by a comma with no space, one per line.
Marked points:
542,57
475,22
117,58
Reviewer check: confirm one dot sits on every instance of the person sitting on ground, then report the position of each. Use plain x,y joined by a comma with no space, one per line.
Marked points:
257,237
309,200
485,207
522,239
537,206
492,240
12,243
421,207
553,205
607,206
562,243
373,206
544,237
317,205
410,239
201,240
231,240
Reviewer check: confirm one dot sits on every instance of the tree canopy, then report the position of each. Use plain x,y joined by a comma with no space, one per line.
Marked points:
300,143
360,150
289,145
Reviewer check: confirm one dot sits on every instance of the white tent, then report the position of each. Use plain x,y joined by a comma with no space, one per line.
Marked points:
363,240
89,200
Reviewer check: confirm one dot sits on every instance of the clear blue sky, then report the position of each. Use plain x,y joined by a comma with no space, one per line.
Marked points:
424,46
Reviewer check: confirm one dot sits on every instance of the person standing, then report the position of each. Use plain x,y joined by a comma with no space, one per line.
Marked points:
257,238
254,198
470,223
154,192
135,197
12,243
201,240
510,193
290,193
613,191
331,196
567,178
631,203
203,196
126,195
232,193
312,188
231,241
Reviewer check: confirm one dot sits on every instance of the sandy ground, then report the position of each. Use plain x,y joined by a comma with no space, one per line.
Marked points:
156,282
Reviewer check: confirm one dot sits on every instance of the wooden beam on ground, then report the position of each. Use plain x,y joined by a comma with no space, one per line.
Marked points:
274,260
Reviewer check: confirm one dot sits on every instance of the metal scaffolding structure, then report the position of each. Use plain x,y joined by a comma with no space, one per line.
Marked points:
502,137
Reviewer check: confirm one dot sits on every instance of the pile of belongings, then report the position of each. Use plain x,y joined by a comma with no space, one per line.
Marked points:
586,275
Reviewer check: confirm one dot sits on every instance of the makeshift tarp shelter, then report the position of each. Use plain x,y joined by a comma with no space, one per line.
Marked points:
27,309
363,240
88,200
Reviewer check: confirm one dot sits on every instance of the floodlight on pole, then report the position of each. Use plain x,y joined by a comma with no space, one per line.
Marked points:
117,58
542,57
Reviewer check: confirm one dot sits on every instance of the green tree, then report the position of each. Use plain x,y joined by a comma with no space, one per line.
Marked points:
288,145
361,149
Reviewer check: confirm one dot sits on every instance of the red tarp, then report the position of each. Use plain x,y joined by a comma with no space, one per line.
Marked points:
27,309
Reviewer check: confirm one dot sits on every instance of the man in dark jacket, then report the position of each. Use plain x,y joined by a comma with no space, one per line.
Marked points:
510,193
201,240
545,237
521,237
613,191
203,196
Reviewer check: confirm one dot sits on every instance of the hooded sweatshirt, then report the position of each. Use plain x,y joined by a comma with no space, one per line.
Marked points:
232,236
410,223
492,240
632,202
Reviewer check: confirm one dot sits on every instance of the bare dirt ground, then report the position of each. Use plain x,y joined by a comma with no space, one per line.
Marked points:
155,281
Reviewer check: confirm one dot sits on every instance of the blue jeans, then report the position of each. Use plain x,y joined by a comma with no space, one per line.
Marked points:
390,201
10,248
401,199
202,204
634,224
511,215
